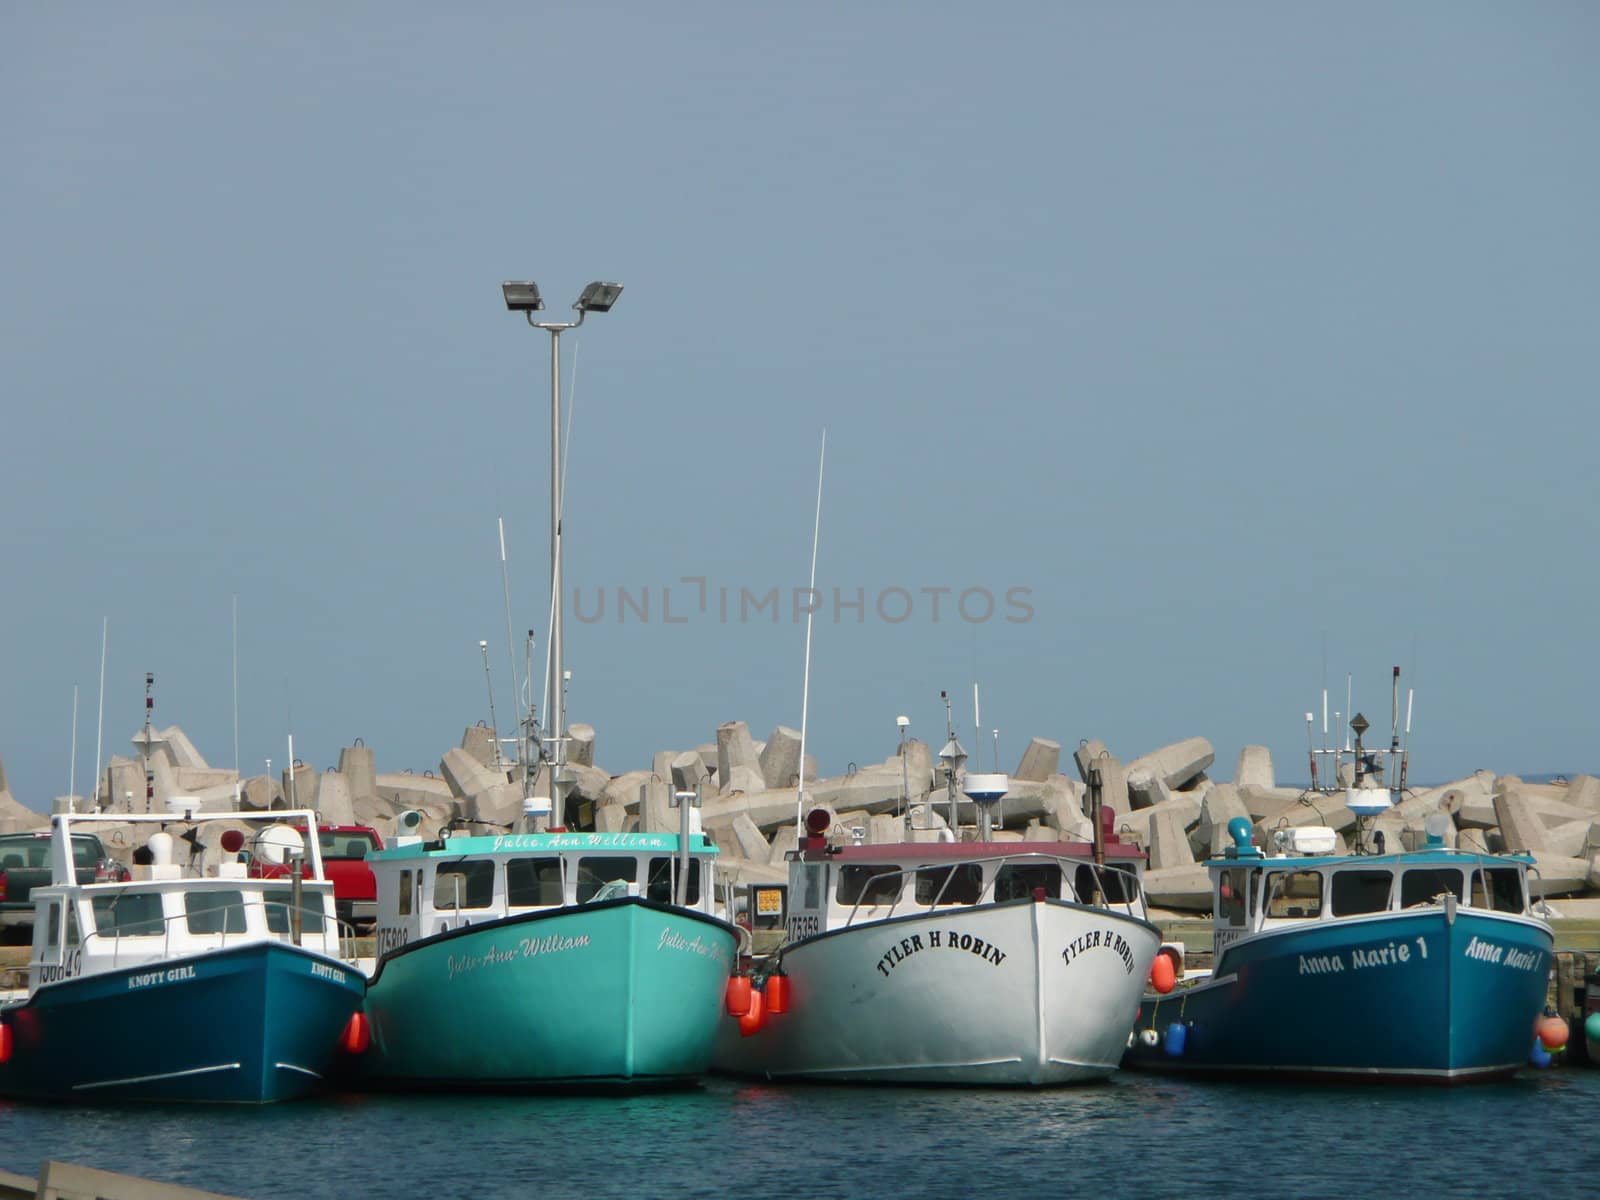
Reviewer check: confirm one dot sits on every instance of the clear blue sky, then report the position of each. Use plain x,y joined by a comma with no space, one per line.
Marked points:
1240,334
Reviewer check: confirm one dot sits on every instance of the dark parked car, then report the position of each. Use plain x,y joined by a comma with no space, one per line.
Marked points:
25,865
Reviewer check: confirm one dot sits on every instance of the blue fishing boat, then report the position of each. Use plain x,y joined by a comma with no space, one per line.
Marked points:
1421,966
552,960
183,983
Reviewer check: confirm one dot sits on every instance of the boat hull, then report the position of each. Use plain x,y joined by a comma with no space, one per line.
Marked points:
616,994
1021,994
251,1024
1422,996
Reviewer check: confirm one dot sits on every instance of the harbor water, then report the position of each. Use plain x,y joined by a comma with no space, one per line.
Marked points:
1131,1136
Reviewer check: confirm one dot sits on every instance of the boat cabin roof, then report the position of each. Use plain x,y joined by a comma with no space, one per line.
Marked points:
1433,856
929,852
543,843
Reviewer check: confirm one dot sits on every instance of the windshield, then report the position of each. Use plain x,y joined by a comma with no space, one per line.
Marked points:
351,843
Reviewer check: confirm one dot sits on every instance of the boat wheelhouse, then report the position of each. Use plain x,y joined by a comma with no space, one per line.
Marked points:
1009,963
185,981
582,960
1427,966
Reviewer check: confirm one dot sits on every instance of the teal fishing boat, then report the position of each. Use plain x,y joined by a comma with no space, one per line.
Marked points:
183,982
546,961
1381,963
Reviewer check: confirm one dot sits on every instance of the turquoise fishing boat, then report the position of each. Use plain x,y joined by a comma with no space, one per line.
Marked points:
547,961
183,983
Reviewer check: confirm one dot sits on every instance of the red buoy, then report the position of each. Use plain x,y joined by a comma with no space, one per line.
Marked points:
753,1020
737,995
1163,974
5,1043
1552,1032
357,1035
777,994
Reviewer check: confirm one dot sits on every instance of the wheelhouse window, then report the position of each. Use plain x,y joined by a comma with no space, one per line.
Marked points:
659,886
1423,885
129,914
1017,881
1363,891
533,882
404,901
860,884
812,885
958,884
1502,891
280,908
53,938
1113,884
595,873
1294,894
465,884
214,911
1233,894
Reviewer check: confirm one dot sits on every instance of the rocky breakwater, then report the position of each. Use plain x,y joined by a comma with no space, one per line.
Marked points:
1165,800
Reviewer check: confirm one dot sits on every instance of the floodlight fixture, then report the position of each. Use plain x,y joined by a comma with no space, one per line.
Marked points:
598,297
522,297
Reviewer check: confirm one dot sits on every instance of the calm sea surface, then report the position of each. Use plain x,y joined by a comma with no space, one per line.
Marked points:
1133,1136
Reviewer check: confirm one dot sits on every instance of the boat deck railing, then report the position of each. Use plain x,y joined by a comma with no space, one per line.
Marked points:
1129,884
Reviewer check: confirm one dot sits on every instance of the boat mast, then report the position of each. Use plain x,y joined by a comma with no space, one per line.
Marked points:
805,682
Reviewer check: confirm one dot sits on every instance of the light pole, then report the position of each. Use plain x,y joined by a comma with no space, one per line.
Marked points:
524,298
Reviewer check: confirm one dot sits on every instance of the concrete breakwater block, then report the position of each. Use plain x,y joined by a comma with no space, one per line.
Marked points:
299,786
1088,750
1220,805
478,741
656,814
1255,768
1135,826
1532,821
1184,888
1262,803
624,790
404,790
1169,841
1040,760
689,773
580,744
735,749
466,774
1177,764
359,769
780,758
1558,875
333,804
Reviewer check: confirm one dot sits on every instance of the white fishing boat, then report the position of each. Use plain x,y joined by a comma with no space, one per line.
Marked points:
948,962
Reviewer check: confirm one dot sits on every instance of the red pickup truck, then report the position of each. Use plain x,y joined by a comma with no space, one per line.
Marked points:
344,853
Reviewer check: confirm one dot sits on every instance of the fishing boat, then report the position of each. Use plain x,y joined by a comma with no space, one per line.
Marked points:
1411,965
544,957
184,983
978,962
553,960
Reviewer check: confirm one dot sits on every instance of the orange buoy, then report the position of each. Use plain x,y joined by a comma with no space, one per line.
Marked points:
756,1018
1552,1031
1163,974
737,995
357,1035
777,994
5,1043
